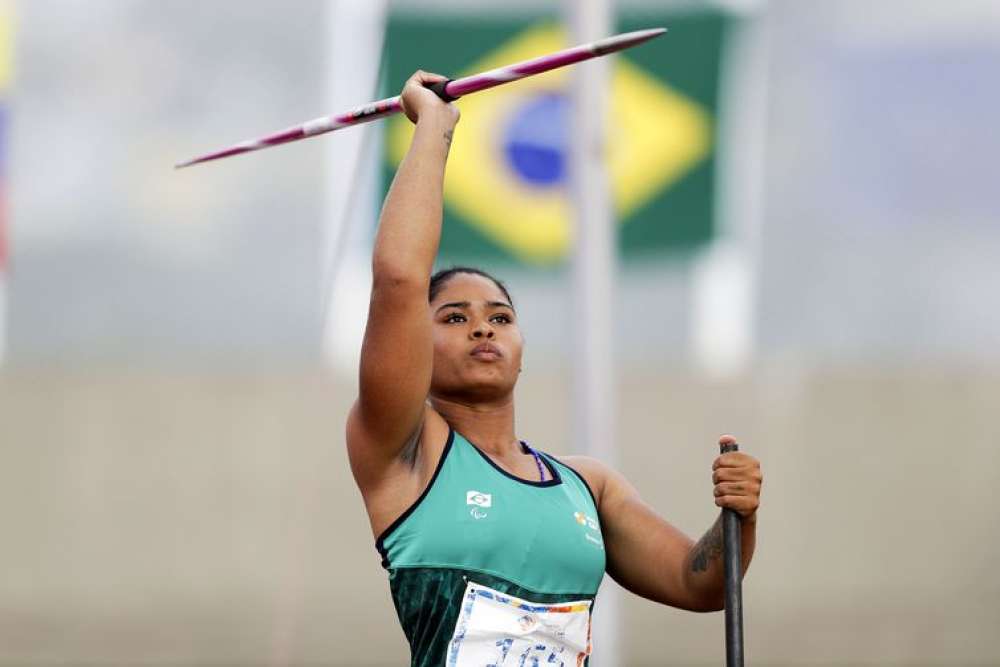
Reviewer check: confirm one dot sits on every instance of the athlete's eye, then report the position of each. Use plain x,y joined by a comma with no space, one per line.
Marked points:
501,317
451,318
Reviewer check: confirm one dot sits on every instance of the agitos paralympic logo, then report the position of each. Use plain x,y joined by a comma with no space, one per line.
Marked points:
479,501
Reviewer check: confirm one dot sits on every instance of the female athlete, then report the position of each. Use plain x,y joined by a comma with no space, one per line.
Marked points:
494,549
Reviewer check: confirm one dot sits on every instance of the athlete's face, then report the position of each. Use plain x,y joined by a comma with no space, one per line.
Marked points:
477,342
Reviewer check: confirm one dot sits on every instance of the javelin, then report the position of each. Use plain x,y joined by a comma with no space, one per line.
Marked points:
451,90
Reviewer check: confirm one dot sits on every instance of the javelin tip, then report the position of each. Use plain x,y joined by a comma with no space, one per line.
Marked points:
639,36
193,161
626,40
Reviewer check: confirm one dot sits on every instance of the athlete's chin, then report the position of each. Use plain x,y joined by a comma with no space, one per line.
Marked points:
498,385
480,386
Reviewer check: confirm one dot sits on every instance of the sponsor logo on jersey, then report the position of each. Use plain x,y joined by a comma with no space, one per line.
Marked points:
589,523
586,521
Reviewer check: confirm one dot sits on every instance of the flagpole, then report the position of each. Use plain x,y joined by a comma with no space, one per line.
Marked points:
726,273
593,271
356,38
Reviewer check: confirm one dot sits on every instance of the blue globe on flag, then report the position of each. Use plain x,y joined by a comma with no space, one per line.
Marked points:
535,140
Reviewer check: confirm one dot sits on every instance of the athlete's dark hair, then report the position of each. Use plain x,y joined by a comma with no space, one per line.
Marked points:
441,278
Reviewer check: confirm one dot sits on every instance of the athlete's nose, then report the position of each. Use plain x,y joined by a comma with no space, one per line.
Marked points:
483,330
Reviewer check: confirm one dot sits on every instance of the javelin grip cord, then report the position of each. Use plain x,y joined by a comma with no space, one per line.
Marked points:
439,89
732,556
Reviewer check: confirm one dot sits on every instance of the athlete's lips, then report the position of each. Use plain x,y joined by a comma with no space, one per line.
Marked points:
485,351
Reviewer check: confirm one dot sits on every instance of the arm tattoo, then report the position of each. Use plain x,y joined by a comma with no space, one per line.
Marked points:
447,138
709,548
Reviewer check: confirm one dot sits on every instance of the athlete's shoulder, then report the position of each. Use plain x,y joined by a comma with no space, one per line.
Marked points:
593,471
581,463
606,483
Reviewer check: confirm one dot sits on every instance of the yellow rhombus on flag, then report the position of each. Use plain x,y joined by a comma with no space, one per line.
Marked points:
655,136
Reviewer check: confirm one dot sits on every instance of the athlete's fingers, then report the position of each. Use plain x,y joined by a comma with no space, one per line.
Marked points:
421,77
744,505
415,96
748,473
737,489
734,460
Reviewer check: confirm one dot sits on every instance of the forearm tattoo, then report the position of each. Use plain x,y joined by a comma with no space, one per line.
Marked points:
709,548
447,139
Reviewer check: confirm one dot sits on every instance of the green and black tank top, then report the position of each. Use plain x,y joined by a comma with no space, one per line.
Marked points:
488,569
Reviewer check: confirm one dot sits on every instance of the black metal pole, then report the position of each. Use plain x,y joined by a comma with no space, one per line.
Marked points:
732,556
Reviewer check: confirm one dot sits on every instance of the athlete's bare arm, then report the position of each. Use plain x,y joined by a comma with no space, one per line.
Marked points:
652,558
397,353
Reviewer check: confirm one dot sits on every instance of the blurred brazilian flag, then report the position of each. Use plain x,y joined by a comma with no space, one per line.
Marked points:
505,195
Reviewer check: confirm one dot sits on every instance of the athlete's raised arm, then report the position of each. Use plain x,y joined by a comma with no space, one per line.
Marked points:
397,353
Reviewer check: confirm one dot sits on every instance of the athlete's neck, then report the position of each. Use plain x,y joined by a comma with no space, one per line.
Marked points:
490,426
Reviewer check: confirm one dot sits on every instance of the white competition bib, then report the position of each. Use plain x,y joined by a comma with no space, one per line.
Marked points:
495,629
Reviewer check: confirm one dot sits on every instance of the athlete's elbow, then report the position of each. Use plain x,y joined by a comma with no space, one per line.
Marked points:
713,605
704,602
698,601
390,277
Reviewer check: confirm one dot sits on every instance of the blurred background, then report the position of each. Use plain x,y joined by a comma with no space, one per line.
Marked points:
808,226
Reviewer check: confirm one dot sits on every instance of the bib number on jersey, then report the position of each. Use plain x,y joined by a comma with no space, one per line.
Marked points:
495,629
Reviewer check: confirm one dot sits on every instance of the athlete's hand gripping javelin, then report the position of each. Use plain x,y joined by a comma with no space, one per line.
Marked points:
417,99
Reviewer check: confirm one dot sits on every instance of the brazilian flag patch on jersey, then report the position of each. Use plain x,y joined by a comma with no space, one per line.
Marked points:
505,189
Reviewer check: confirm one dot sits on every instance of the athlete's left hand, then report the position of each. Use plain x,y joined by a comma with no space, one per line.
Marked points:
737,478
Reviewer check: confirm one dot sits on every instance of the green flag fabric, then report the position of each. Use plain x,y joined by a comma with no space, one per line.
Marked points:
505,194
